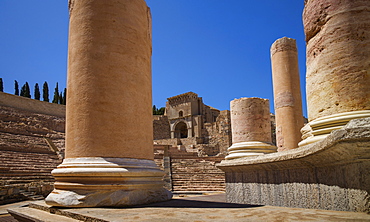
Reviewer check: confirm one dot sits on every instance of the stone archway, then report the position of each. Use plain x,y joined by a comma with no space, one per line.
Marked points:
181,130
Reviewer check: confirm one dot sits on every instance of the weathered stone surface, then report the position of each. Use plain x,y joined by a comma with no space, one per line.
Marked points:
331,174
287,93
338,59
250,120
110,51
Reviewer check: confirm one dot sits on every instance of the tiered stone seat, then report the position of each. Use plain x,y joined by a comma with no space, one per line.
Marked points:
20,167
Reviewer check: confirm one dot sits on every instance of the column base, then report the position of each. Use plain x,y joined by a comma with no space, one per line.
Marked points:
107,182
249,149
320,128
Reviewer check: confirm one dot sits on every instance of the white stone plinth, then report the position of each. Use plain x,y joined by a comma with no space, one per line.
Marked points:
320,128
248,149
114,182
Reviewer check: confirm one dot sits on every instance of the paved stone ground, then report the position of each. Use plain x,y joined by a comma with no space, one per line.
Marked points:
4,215
204,208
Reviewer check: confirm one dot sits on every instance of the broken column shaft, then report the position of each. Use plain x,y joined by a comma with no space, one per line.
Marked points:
287,93
109,145
251,128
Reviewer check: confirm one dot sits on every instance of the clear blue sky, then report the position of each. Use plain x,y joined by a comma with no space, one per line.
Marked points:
219,49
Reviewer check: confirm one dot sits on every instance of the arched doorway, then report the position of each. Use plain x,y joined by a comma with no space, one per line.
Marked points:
181,130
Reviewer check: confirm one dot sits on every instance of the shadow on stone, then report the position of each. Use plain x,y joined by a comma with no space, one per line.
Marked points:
183,203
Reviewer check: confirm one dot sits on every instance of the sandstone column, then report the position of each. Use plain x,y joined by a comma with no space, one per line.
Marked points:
109,144
338,64
287,93
251,128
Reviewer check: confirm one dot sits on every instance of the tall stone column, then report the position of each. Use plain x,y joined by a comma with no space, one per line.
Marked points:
109,139
287,93
251,128
338,64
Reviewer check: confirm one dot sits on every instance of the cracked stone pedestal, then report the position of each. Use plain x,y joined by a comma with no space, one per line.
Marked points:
109,133
251,128
97,181
338,64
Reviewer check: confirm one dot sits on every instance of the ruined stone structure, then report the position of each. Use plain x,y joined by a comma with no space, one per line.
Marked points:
287,93
109,156
193,126
26,160
338,64
251,128
330,169
187,113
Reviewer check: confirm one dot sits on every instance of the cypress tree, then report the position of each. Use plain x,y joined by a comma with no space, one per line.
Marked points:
16,88
27,92
45,92
37,92
61,98
23,90
155,110
56,94
1,85
65,96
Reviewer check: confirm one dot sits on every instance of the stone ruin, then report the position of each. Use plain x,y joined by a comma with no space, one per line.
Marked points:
329,169
192,126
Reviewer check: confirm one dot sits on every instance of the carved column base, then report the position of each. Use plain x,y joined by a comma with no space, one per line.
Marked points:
107,182
320,128
247,149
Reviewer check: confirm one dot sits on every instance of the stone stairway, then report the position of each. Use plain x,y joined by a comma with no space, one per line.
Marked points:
197,174
19,167
190,173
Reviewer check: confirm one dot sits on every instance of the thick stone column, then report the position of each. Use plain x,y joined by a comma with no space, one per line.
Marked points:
338,64
251,128
287,93
109,139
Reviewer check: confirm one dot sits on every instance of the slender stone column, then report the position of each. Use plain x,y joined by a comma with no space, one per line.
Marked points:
287,93
338,64
251,128
109,145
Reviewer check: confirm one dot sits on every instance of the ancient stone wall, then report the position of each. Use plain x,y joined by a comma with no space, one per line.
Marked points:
161,127
218,134
32,105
